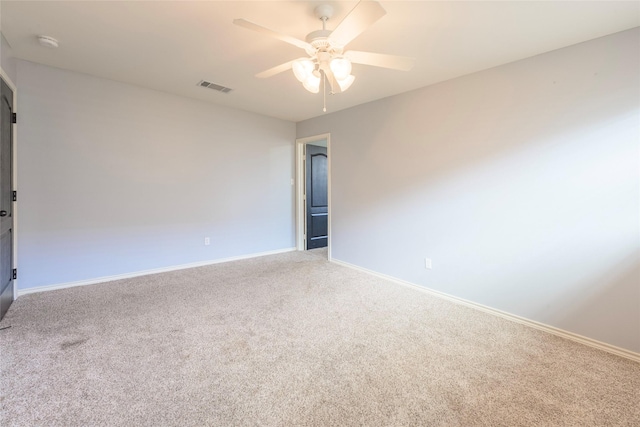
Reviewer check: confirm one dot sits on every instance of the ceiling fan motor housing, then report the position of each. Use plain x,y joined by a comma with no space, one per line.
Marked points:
320,42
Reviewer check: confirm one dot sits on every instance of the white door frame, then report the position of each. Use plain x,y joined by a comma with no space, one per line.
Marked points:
14,166
301,241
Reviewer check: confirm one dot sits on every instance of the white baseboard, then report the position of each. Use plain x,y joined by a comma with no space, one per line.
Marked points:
146,272
514,318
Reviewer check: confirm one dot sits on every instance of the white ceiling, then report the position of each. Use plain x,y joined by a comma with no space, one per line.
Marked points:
171,45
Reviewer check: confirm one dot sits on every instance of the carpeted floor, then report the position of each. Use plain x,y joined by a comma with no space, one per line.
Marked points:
292,340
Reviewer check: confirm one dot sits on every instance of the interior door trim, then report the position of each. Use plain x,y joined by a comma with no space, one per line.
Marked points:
300,184
14,178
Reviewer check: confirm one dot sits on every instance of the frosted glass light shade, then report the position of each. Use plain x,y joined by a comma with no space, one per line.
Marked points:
341,68
346,83
312,83
302,68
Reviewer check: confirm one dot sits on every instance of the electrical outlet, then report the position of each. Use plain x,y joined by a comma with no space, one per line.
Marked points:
427,263
207,241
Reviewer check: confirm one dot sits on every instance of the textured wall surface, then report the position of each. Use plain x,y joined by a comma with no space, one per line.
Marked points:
520,182
7,62
114,179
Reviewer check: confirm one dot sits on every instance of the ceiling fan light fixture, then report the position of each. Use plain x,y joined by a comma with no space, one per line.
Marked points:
312,84
340,67
346,83
328,63
302,69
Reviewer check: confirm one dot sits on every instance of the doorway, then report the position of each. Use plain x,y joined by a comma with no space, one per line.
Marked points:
313,193
7,195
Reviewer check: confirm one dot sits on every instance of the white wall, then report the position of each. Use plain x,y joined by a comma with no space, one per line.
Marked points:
115,178
7,62
521,182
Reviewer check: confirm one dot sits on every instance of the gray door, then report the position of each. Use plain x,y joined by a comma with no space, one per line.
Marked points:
6,199
317,197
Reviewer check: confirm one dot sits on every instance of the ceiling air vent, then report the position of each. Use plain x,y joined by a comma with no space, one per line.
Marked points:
214,86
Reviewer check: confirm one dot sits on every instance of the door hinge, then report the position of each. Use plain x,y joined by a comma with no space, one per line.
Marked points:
15,196
14,118
15,273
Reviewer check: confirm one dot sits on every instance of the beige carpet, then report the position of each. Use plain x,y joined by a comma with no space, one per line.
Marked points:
292,340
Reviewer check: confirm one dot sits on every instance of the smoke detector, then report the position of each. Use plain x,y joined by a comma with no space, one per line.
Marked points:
47,41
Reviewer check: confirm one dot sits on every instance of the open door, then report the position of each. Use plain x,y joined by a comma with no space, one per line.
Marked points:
316,195
6,198
313,192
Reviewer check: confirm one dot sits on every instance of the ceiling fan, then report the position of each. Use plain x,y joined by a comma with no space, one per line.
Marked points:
327,58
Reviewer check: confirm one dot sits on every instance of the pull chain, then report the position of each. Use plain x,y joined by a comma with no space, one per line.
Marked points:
324,92
324,76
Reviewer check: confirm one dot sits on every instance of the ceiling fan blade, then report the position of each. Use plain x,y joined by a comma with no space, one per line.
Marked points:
361,17
394,62
288,39
275,70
